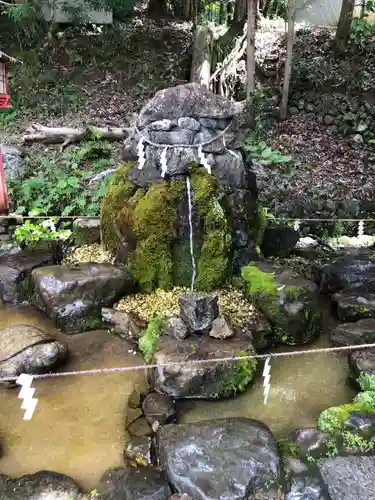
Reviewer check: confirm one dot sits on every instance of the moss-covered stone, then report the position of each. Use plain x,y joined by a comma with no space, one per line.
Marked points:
148,340
213,262
288,301
113,201
161,256
236,381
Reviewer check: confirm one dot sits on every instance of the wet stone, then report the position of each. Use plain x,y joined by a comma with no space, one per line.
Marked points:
176,328
138,451
188,123
309,441
361,332
199,311
279,242
361,423
129,483
158,408
352,306
128,325
139,428
362,361
135,399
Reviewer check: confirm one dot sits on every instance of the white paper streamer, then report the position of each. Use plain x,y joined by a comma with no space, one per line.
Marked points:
141,154
163,162
203,160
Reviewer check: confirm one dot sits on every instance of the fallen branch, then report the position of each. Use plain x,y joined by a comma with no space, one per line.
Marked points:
67,135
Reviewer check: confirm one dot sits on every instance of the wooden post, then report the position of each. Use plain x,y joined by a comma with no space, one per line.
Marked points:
4,203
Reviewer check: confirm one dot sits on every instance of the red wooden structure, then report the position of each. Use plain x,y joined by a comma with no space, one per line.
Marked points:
5,103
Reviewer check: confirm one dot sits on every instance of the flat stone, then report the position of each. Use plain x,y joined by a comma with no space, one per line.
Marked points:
359,333
348,273
188,123
161,125
198,311
362,361
176,136
353,306
309,441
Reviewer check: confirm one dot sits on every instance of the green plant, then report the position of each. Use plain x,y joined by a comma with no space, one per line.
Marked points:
352,440
32,232
149,338
362,33
366,382
265,155
58,183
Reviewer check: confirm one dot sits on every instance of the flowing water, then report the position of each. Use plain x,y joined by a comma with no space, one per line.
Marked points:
78,425
191,234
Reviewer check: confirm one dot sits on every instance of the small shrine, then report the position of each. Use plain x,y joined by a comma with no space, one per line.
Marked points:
5,102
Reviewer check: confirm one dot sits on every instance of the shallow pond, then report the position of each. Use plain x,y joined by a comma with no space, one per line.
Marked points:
78,425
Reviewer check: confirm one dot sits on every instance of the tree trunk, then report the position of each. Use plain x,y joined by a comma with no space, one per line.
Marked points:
343,27
202,56
58,135
250,49
239,11
157,8
288,61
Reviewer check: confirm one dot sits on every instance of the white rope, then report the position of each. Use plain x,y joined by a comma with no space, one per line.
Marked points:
100,371
291,219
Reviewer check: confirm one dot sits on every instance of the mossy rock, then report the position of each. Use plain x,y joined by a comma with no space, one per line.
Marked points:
288,301
159,255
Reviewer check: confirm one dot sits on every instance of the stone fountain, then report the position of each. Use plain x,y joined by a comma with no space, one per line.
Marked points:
183,132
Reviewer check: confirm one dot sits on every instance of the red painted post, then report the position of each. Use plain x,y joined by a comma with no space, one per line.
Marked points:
4,202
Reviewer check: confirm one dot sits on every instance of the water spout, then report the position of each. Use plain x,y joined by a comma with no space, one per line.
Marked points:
188,187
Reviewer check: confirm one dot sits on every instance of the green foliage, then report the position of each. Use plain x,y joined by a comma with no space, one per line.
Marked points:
32,232
261,223
58,184
149,338
362,32
263,153
366,382
352,440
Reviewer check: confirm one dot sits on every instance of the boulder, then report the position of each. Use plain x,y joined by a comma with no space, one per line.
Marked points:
349,478
198,311
15,270
260,332
348,273
353,306
26,349
359,333
129,483
187,100
279,241
13,162
86,231
42,485
361,361
202,380
223,458
73,295
127,324
289,302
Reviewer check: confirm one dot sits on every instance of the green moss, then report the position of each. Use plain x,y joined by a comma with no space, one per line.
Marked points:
113,202
148,340
154,224
213,262
260,225
236,380
260,285
182,265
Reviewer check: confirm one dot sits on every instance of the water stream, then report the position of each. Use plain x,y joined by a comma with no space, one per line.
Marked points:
191,234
